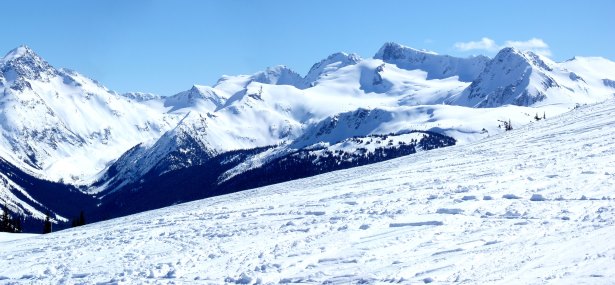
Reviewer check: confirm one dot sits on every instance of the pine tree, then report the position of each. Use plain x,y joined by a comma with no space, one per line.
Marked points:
47,227
509,126
17,225
4,220
81,219
8,223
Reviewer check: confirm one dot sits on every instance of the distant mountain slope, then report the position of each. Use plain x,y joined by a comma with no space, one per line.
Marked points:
244,169
53,120
527,79
437,66
31,198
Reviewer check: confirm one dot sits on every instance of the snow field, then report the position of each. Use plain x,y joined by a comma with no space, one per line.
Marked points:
530,206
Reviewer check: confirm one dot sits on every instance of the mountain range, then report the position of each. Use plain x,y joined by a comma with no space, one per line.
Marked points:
69,144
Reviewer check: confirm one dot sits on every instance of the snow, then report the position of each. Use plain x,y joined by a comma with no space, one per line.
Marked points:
407,220
59,125
81,126
141,96
436,66
6,237
242,112
329,65
527,79
16,53
54,122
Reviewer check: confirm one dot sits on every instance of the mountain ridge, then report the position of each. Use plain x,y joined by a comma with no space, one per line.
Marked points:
61,126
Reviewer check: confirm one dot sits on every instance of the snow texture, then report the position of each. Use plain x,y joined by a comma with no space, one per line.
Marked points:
415,219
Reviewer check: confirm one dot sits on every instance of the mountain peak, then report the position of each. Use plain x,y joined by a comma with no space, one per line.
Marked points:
514,77
331,63
341,56
393,51
23,62
436,66
19,52
279,75
141,96
203,98
508,50
514,54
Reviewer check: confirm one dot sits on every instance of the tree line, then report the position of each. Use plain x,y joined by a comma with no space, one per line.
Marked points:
12,223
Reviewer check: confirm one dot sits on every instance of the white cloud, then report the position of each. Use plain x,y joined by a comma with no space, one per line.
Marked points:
484,44
535,45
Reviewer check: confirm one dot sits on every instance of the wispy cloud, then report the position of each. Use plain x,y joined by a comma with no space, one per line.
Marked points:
535,45
484,44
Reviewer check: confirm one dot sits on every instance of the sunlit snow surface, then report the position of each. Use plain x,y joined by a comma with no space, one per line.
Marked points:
530,206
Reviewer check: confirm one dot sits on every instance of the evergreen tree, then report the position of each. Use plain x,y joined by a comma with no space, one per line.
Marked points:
47,227
17,225
81,219
4,220
9,224
508,125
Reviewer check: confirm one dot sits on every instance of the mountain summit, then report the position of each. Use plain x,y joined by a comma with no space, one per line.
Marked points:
23,63
437,66
524,78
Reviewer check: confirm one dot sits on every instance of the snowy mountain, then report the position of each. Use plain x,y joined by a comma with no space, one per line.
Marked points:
140,96
60,129
54,119
183,146
437,66
533,205
526,79
248,130
329,65
202,99
32,198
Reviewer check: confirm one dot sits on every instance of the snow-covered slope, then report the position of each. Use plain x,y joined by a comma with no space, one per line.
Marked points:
534,205
53,120
56,125
201,99
31,198
437,66
527,79
183,146
329,65
60,126
403,90
141,96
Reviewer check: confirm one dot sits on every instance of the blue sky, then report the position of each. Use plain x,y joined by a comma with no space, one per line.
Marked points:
166,46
